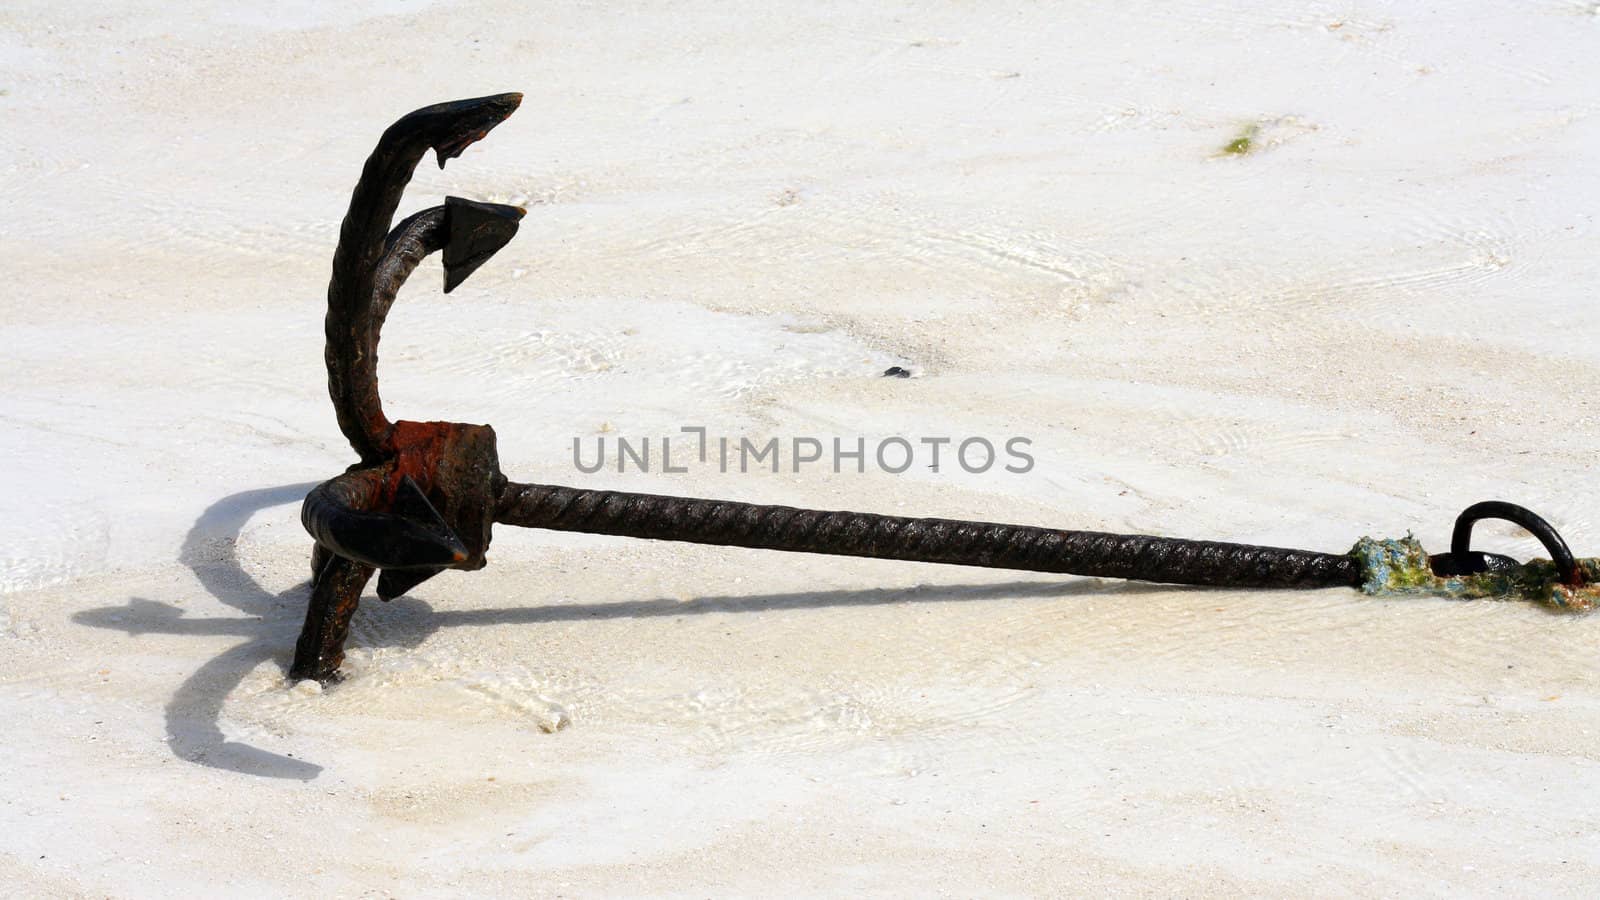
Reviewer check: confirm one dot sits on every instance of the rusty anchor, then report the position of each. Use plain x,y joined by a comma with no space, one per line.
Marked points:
425,496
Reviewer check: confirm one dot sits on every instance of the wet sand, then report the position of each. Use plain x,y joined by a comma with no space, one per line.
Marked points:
1374,317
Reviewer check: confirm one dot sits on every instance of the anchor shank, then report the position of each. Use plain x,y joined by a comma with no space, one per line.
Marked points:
986,544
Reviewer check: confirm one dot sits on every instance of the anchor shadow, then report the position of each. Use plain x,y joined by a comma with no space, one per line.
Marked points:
193,714
271,622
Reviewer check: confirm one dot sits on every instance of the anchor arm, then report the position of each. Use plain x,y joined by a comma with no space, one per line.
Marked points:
353,319
340,514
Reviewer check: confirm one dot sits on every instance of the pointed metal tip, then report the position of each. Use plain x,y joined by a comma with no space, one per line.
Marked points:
476,231
394,583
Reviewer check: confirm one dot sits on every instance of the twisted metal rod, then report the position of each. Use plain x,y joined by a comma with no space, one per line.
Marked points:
986,544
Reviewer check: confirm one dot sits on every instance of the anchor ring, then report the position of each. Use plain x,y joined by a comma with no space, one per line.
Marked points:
1463,561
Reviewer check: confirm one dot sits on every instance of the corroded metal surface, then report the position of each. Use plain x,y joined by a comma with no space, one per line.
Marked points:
1397,567
425,495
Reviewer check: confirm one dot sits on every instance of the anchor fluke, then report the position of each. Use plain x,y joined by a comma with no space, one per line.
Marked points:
476,231
460,123
412,535
394,583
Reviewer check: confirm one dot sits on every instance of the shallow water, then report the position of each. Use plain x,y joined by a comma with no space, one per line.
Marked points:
1369,321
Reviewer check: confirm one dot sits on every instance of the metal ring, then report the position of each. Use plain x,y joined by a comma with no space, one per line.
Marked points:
1461,538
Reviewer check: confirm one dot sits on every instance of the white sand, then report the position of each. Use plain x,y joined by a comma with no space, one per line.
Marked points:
737,220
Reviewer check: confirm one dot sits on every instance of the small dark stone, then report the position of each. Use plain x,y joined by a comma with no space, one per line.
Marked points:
896,372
